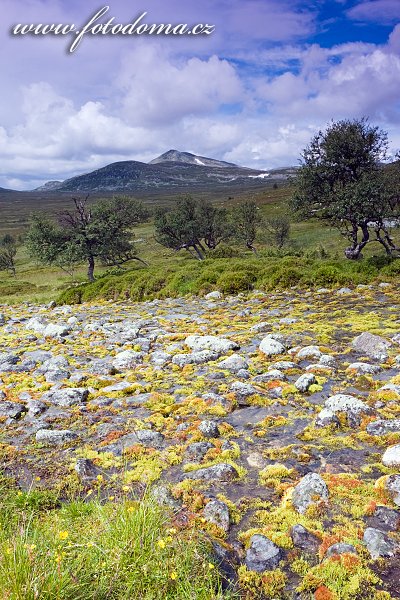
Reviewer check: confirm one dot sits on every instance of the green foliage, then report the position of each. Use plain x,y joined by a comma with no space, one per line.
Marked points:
247,221
279,229
342,181
8,251
233,283
87,233
192,225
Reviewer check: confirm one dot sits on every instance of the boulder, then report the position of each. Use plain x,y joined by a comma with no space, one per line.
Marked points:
379,545
55,437
305,381
233,363
351,406
209,429
269,346
310,490
304,539
309,352
391,457
383,426
372,345
262,555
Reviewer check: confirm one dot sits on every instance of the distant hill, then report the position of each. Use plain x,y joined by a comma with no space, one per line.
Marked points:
172,170
190,159
5,190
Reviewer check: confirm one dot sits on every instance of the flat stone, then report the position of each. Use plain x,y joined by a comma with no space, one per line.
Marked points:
220,472
55,437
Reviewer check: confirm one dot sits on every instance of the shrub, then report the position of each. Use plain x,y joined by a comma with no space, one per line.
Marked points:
233,283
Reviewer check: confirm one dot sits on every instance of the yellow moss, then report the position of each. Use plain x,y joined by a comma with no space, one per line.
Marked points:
269,584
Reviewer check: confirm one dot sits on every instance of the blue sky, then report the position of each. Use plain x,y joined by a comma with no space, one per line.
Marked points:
253,92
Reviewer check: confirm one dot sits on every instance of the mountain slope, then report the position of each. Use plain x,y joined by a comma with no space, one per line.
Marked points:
190,159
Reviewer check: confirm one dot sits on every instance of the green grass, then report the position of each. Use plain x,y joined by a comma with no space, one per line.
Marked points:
90,550
314,257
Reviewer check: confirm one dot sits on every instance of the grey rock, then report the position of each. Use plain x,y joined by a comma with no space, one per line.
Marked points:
11,410
309,488
372,345
361,367
327,360
269,346
391,457
305,381
309,352
325,418
383,426
210,342
128,359
195,358
284,365
217,512
162,495
304,539
388,518
117,387
67,396
198,450
262,327
55,437
85,468
262,555
351,406
209,429
392,485
340,548
160,358
233,363
220,472
343,291
379,545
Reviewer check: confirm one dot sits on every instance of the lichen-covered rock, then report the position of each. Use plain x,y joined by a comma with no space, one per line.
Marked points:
198,450
163,496
209,429
55,437
309,352
220,472
379,545
210,342
391,457
387,518
262,555
326,417
234,363
340,548
383,426
11,410
351,406
67,396
243,391
217,512
216,295
310,490
392,485
305,381
195,358
269,346
304,539
372,345
85,468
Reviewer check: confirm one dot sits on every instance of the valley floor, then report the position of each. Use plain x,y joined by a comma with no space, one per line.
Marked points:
262,420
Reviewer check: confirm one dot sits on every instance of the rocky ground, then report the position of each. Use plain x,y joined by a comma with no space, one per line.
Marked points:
271,422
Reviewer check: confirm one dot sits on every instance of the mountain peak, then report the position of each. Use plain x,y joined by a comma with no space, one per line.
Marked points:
188,158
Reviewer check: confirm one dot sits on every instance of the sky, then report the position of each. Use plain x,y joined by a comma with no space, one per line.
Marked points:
254,92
